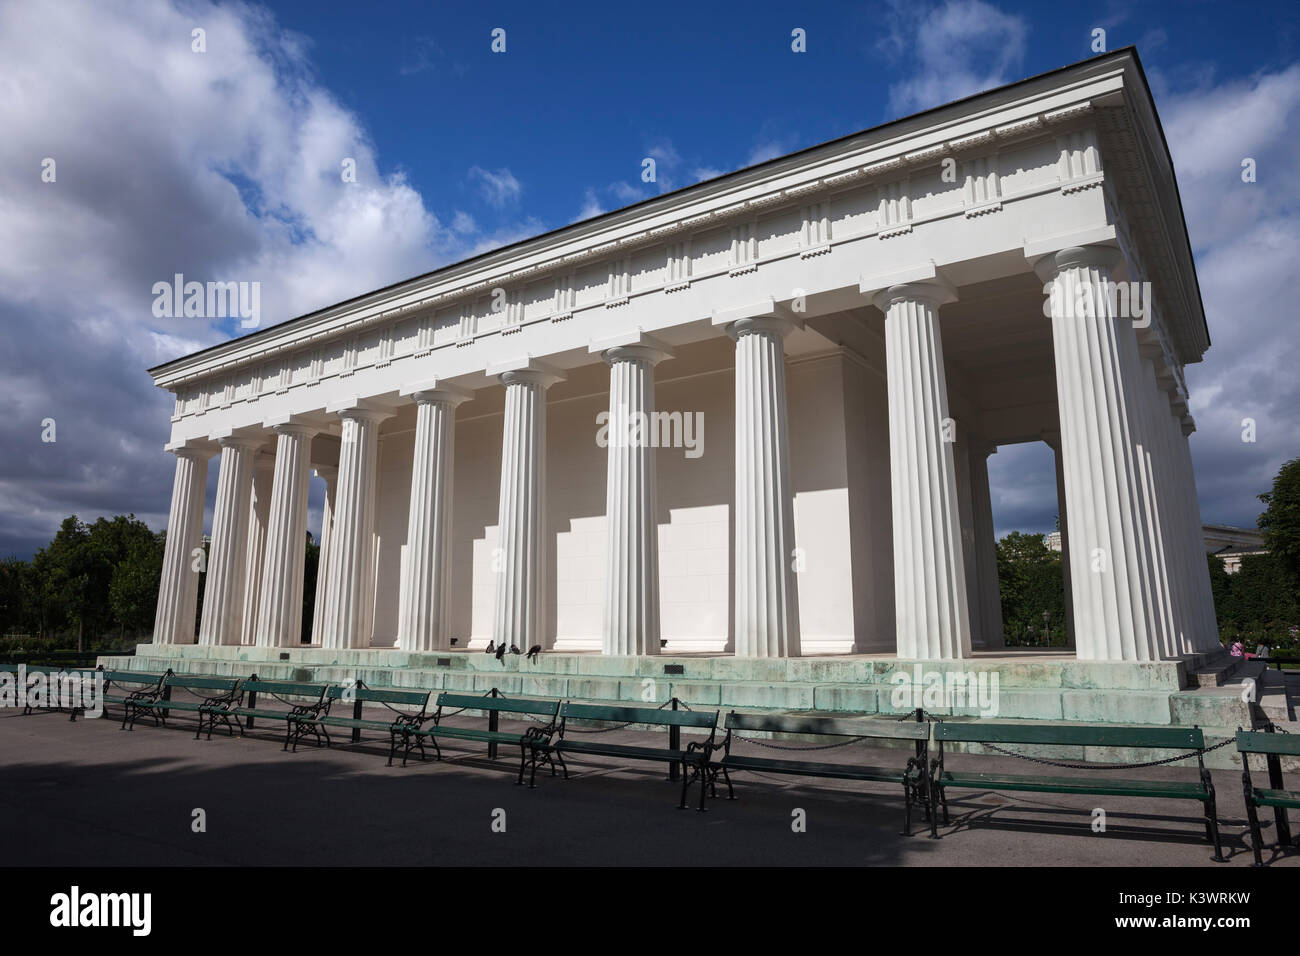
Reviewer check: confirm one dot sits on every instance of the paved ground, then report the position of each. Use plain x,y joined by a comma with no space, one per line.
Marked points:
87,793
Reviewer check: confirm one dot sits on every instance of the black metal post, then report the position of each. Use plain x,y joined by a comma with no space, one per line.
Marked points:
674,743
493,724
356,715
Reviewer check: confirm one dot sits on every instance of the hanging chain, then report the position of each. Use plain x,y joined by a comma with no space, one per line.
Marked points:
1106,766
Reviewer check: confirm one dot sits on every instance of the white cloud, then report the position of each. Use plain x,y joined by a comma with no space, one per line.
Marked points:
953,50
222,165
497,187
1247,241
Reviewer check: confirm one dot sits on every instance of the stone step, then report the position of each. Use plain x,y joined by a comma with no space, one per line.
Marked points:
1217,673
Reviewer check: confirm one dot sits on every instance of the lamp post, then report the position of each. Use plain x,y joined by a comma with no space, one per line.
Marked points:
1047,636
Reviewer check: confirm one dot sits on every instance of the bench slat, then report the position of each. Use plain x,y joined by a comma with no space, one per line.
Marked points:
1277,798
378,695
829,726
569,745
809,769
519,705
1120,787
639,715
1258,742
1178,738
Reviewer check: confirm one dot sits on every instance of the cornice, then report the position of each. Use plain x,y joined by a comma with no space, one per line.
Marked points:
1021,112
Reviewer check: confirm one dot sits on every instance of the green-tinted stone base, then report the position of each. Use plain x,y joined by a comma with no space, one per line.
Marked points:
1049,687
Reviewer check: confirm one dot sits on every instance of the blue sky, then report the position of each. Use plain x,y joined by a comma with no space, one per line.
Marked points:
226,165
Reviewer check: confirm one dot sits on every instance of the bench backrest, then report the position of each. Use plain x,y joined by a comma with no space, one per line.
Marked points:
284,688
132,677
1183,738
830,726
380,695
613,713
192,682
1258,742
508,705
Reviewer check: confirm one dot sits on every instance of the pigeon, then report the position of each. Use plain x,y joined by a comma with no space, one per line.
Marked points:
533,652
490,648
501,653
514,649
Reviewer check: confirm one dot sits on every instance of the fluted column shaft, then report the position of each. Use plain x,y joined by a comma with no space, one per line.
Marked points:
631,617
178,586
350,594
423,624
279,618
259,511
223,591
985,546
1114,594
330,477
1058,464
767,598
1206,631
933,619
520,555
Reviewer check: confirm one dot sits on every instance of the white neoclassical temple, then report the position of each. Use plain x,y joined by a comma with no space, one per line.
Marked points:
749,417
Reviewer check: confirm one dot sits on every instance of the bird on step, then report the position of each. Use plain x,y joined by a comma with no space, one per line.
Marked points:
533,652
491,648
514,649
501,653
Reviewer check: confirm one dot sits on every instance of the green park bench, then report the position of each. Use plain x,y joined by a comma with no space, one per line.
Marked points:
358,695
242,710
124,687
693,760
913,775
203,693
417,729
1273,747
1162,738
54,702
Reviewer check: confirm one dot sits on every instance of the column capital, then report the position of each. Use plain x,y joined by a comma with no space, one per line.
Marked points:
633,346
432,390
360,410
232,438
923,282
766,315
526,371
1049,266
769,324
193,451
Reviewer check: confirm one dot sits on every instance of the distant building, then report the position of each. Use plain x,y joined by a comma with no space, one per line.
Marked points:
1231,544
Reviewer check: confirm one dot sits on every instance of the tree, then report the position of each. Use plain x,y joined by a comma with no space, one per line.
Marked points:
1280,521
1030,581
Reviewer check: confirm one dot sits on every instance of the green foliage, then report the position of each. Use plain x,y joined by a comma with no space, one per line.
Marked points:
1280,521
1031,581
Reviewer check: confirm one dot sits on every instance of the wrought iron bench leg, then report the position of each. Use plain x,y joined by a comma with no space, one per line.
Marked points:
907,807
1212,825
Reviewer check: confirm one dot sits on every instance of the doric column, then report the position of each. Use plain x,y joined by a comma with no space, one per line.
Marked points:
330,477
1054,441
223,590
350,594
178,587
985,546
520,554
279,618
1111,566
1206,632
929,574
423,624
259,510
767,598
631,619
